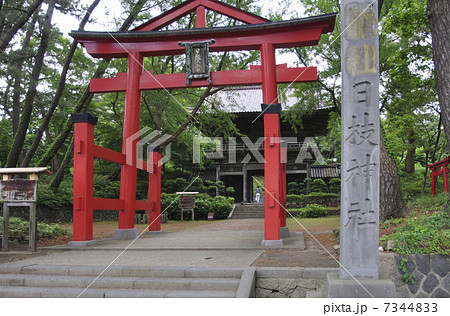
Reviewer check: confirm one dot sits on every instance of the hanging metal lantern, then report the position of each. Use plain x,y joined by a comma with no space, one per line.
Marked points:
197,60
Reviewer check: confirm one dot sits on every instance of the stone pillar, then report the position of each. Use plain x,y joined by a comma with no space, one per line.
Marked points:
244,183
358,274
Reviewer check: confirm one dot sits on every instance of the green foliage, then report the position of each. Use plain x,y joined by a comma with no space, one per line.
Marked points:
314,197
106,188
422,234
335,185
318,185
313,211
18,230
221,206
49,199
293,188
427,201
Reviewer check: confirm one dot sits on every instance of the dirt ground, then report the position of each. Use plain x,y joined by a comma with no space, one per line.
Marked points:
319,240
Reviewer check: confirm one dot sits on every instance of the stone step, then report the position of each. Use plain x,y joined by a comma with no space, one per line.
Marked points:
209,284
69,281
123,271
247,216
35,292
315,294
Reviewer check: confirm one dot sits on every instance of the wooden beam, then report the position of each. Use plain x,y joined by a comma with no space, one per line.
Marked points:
149,81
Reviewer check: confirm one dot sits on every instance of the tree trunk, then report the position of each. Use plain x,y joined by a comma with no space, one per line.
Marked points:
410,159
57,179
59,91
25,118
391,202
17,89
438,12
6,37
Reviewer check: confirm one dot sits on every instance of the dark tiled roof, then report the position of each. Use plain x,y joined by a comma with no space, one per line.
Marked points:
204,174
326,171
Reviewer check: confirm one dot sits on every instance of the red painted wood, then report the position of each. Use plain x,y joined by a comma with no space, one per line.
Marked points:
108,204
283,187
145,205
445,175
439,168
296,36
271,147
108,154
187,7
154,192
200,20
149,81
83,182
130,127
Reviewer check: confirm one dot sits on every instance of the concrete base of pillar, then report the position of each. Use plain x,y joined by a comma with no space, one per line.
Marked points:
271,243
153,232
337,288
284,232
125,234
85,243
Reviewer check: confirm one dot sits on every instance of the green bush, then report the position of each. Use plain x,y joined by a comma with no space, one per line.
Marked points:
106,188
313,211
18,230
314,197
423,235
221,206
292,188
335,185
318,185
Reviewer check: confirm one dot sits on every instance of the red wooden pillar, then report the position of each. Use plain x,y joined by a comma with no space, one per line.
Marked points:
83,177
433,182
271,109
283,185
131,124
445,175
154,190
200,19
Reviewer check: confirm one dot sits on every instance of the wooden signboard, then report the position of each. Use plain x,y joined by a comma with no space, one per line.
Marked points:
187,202
18,190
210,216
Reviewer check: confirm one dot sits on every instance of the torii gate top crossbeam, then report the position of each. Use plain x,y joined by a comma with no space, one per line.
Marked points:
283,34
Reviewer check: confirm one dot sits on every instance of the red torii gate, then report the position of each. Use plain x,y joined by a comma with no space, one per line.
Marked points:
145,40
439,168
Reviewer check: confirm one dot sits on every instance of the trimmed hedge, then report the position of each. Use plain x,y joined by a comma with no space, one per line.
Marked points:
329,199
221,206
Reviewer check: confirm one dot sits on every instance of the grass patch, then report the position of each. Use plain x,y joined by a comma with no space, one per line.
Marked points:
427,201
313,224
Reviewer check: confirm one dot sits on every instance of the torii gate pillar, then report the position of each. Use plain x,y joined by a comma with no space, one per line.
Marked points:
131,123
272,166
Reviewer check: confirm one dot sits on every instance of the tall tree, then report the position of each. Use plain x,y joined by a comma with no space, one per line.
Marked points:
438,12
25,118
14,25
59,91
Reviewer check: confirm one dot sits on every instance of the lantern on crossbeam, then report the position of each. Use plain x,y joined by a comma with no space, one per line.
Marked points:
197,60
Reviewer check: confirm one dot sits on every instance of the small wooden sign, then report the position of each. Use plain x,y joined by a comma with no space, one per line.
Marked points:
18,190
187,202
210,216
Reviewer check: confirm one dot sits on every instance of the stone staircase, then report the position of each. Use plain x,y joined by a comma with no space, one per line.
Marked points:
124,282
248,211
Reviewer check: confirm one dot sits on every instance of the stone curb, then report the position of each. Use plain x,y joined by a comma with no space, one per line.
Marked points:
247,284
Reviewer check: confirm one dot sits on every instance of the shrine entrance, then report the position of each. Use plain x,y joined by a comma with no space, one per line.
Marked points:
148,40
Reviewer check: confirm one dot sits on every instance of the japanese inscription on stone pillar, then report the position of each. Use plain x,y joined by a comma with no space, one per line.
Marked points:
360,140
